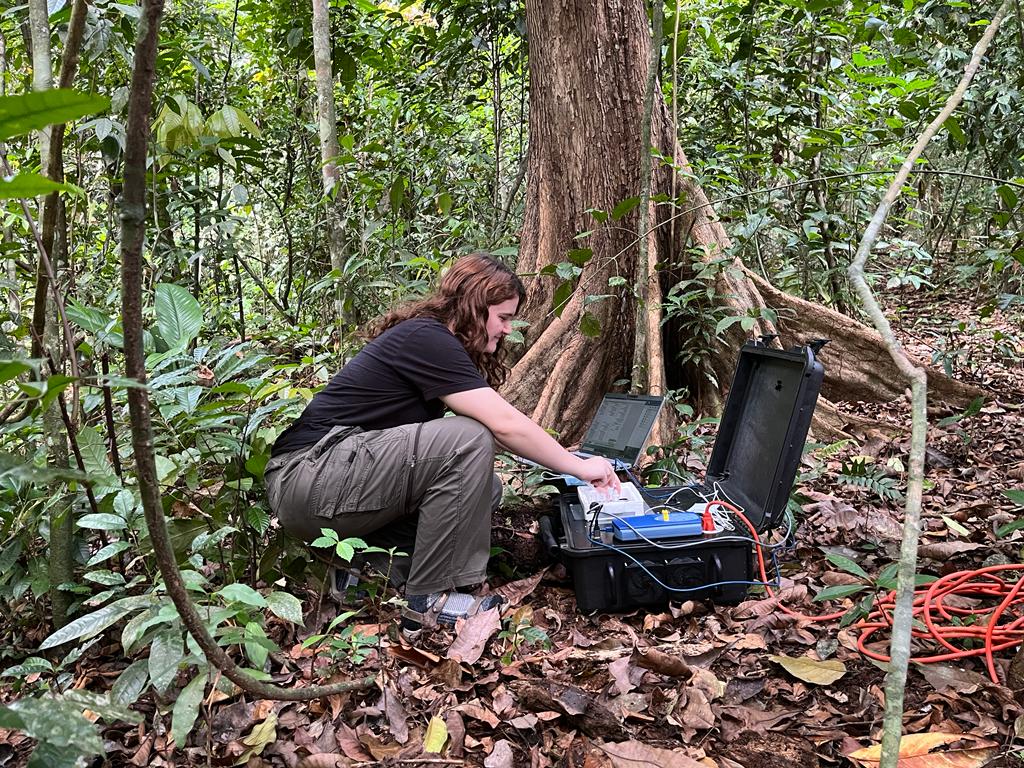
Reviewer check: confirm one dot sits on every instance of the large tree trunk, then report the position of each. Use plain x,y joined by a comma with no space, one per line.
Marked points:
588,65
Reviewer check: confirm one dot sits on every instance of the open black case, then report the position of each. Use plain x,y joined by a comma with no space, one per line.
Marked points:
753,464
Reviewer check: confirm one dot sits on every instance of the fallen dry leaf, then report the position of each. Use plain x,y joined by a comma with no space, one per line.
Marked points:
473,635
349,743
398,721
810,670
501,756
324,760
916,751
515,591
944,676
633,754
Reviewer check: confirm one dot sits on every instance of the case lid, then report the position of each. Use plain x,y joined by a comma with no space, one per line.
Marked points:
763,429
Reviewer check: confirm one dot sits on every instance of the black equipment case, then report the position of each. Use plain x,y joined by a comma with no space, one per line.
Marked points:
753,463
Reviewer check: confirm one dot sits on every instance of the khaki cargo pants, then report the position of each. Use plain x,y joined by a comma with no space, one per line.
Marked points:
428,489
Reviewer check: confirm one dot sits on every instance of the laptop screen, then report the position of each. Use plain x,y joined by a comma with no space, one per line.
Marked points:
621,426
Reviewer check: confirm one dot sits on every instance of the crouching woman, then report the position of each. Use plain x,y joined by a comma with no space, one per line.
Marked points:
372,456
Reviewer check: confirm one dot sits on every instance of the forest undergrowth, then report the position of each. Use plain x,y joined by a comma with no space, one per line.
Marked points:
691,684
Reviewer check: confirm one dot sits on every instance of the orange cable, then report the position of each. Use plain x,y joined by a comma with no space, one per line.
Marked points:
931,608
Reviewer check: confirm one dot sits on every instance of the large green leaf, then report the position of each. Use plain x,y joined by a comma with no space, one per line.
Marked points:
165,654
179,317
57,722
285,606
186,709
32,111
93,623
20,471
27,185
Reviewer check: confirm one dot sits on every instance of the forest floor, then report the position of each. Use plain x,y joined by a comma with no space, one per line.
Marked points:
688,684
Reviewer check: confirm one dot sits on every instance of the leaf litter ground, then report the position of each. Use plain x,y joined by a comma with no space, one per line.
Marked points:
689,685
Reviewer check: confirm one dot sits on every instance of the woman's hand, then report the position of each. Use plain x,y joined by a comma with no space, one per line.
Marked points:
599,473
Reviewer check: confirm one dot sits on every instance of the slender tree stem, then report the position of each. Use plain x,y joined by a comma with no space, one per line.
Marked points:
899,646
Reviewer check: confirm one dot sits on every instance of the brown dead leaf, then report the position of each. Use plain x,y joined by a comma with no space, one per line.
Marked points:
378,748
525,722
324,760
917,750
811,670
515,591
633,754
501,756
456,734
349,743
397,719
706,681
478,711
943,550
944,676
662,663
697,711
619,670
473,634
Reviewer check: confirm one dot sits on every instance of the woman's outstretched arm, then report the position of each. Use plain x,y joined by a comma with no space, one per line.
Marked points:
517,432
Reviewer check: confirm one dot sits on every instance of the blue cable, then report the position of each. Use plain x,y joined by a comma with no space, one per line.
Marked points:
665,586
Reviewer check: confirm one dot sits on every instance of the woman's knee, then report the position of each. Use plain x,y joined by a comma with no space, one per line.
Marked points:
470,432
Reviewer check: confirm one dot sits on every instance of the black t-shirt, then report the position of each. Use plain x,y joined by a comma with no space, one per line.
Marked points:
398,378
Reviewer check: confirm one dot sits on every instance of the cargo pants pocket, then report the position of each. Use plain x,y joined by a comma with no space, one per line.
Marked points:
378,472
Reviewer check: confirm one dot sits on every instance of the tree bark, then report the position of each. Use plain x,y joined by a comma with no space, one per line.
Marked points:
588,65
329,150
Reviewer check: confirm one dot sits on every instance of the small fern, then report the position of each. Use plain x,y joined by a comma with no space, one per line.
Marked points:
859,472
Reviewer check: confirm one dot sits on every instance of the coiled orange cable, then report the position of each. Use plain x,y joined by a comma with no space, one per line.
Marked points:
945,623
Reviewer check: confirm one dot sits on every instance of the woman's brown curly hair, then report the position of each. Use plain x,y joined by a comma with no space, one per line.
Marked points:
467,289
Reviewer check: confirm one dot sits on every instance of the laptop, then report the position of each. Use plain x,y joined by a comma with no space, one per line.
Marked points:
619,431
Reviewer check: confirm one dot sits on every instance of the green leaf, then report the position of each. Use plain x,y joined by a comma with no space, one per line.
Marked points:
257,644
93,623
242,593
285,606
590,325
11,369
846,564
955,131
726,322
57,722
397,193
28,112
186,709
179,318
102,521
165,654
624,207
562,295
93,447
840,591
130,683
1016,496
28,185
1006,530
102,705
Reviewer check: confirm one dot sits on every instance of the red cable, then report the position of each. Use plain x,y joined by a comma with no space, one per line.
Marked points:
930,608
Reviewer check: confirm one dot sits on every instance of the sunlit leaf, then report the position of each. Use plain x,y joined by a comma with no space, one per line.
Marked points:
917,751
811,670
31,111
436,736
